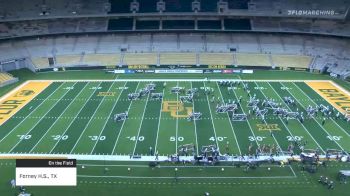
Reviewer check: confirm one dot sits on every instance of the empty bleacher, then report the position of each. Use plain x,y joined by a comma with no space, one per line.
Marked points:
67,60
178,58
6,78
291,61
102,59
140,59
246,59
216,58
40,62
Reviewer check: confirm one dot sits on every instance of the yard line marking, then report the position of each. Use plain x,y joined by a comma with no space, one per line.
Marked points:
195,127
212,121
228,116
250,127
300,123
312,118
160,117
110,113
40,119
271,131
29,114
138,134
74,119
177,119
342,112
189,177
92,117
181,80
121,128
58,118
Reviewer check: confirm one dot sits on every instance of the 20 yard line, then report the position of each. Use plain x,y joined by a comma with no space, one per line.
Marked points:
31,129
121,128
300,123
48,130
74,118
110,113
233,131
313,117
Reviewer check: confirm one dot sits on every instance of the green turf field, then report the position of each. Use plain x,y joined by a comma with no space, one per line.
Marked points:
75,117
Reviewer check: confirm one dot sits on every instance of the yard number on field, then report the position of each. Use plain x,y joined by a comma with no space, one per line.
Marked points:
257,138
134,138
334,138
173,139
60,137
294,138
24,137
220,139
96,137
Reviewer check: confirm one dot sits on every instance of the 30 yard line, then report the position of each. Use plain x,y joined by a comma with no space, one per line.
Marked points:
64,94
250,127
138,134
228,116
74,118
273,136
110,113
300,123
87,124
30,113
195,126
212,121
58,117
312,117
121,128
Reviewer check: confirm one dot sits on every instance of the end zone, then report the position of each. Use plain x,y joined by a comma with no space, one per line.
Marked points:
17,99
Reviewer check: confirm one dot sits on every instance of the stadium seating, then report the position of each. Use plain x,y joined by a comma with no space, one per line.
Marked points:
216,59
246,59
140,59
67,60
40,62
178,5
6,79
291,61
102,59
178,58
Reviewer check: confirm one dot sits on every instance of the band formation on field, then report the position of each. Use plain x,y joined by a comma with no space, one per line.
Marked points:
163,119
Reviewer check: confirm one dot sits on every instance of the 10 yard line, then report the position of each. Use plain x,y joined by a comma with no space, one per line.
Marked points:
31,129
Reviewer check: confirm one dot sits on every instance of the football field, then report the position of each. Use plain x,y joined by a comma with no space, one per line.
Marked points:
77,117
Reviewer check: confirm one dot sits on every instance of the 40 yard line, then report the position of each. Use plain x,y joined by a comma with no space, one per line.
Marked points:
195,126
160,117
138,134
228,116
121,128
